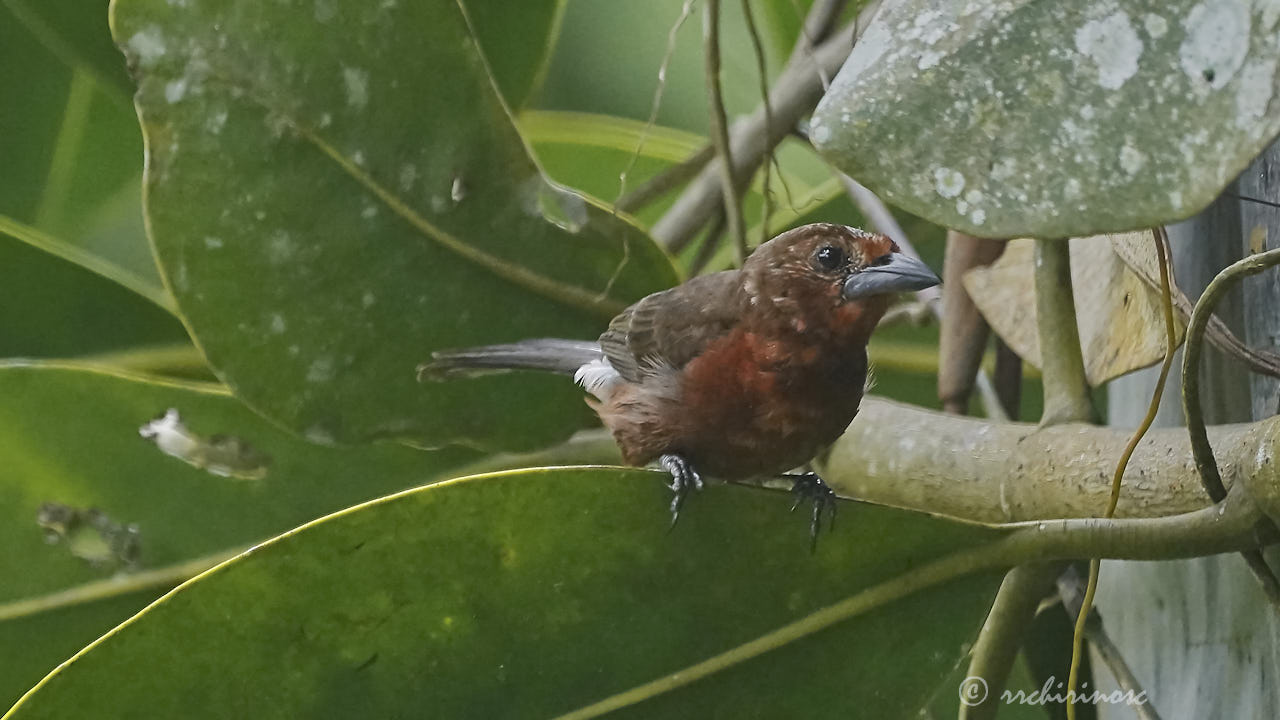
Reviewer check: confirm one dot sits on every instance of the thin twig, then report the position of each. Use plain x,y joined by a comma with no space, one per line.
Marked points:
1007,379
1220,336
720,130
655,104
644,135
1095,565
909,312
763,71
786,185
1120,669
1201,450
668,179
1071,595
1255,200
707,250
793,95
814,28
1224,281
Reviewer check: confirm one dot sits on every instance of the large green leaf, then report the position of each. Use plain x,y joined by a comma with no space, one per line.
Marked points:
50,307
76,32
590,152
80,147
1054,119
333,200
517,39
71,436
532,593
71,150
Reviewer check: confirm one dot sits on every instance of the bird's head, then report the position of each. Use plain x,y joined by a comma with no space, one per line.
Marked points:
828,275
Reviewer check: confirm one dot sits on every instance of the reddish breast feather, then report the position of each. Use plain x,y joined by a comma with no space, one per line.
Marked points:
757,405
727,376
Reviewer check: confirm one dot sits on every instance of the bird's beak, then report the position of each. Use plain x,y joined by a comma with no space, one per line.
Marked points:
901,274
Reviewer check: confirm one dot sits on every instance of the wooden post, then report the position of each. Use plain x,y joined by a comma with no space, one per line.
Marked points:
1174,620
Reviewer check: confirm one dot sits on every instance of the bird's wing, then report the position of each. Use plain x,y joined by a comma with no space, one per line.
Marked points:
672,327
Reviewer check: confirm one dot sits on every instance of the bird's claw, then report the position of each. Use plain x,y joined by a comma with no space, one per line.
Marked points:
809,486
683,480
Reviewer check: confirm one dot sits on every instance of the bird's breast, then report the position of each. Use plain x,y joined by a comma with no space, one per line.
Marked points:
756,403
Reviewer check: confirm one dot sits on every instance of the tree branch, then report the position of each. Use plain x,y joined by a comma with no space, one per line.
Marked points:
729,183
1200,447
979,471
1071,590
1001,637
669,179
1218,529
762,70
816,26
794,95
1202,451
1066,391
964,332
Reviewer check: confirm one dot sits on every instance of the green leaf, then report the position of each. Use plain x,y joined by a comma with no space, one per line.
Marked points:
609,53
533,593
50,307
1052,119
517,39
81,147
589,152
70,187
71,436
784,20
33,646
331,207
76,32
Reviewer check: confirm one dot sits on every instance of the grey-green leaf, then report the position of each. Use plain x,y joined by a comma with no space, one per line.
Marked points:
532,593
50,307
517,39
333,196
69,436
1052,119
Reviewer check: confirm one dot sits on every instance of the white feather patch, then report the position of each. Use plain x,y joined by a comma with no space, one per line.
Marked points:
598,378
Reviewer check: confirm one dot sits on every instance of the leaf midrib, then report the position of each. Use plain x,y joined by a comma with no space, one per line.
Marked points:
596,302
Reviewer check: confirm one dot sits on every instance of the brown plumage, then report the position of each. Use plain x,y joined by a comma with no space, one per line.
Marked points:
740,373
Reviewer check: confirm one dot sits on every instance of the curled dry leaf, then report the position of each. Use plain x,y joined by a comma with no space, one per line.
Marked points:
1118,311
1135,250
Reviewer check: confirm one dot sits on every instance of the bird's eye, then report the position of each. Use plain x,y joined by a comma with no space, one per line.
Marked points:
830,257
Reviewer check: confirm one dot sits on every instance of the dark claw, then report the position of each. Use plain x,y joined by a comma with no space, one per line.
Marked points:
683,480
810,487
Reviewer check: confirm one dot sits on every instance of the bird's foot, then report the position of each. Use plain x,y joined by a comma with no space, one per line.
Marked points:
683,480
808,486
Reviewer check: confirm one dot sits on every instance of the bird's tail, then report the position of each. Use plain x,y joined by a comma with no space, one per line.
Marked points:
547,354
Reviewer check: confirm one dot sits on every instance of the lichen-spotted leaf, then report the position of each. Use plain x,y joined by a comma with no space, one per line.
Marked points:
74,442
1052,119
335,189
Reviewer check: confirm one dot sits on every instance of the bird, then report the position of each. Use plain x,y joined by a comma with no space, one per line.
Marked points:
738,374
